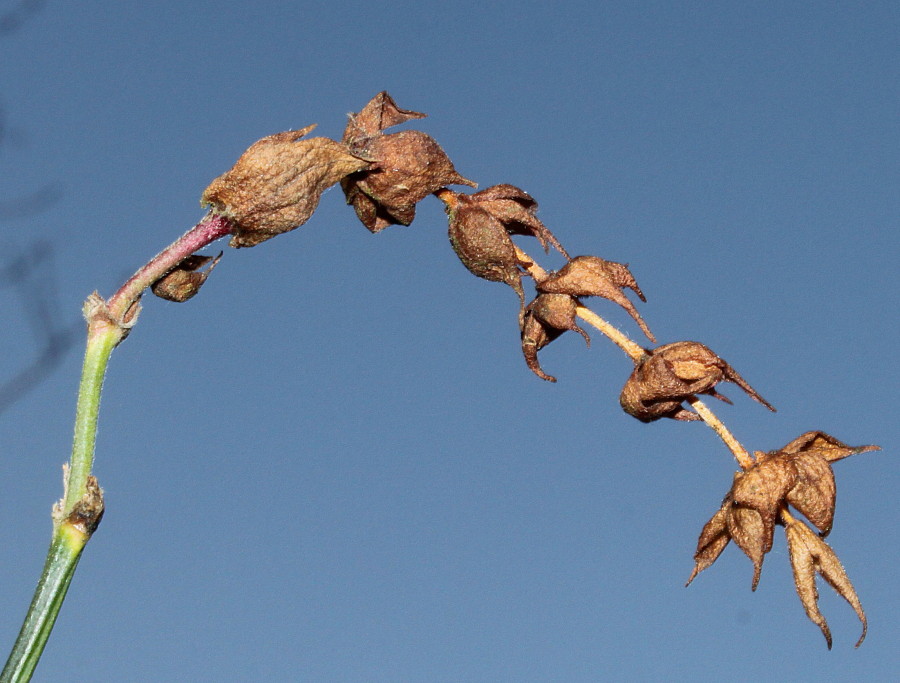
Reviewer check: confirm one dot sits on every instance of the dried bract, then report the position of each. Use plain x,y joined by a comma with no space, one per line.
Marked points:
185,279
546,318
671,373
406,166
593,276
797,475
276,184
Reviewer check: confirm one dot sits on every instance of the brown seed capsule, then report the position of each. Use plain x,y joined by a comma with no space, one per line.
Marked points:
185,279
671,373
275,185
406,166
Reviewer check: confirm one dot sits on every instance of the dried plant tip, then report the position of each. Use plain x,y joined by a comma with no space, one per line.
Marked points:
516,210
546,318
593,276
671,373
798,475
407,166
275,185
482,243
185,280
811,555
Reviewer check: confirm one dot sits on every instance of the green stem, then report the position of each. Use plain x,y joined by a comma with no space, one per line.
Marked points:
62,558
102,339
70,533
77,515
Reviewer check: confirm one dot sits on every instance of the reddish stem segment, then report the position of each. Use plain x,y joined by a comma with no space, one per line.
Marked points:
212,227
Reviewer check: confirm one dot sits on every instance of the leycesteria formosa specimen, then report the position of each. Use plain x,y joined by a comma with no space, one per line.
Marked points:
275,186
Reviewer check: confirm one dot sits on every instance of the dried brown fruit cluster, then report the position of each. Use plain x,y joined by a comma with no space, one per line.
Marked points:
276,184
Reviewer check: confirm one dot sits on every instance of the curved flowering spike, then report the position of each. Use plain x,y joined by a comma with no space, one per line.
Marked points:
516,209
593,276
811,555
406,166
185,280
276,184
671,373
546,318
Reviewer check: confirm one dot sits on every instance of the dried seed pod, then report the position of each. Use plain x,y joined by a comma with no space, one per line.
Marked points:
546,318
275,185
482,243
593,276
406,166
671,373
185,279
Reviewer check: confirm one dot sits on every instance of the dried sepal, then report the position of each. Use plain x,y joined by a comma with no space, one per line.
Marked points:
825,445
813,492
672,373
594,276
379,113
713,539
276,184
406,166
516,210
185,279
546,318
810,555
748,530
754,503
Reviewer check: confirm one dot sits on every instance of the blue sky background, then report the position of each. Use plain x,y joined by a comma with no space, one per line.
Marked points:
333,464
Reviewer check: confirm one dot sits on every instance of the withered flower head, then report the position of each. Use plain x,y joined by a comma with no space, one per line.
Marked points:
671,373
406,166
593,276
275,185
546,318
798,475
185,279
